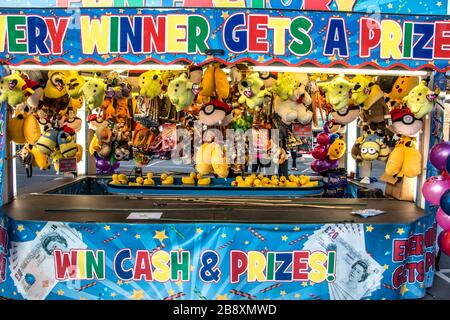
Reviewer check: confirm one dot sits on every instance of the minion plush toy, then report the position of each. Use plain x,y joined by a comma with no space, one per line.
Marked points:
47,142
372,147
66,142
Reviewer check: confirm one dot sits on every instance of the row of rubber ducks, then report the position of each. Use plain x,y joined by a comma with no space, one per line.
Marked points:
261,181
166,179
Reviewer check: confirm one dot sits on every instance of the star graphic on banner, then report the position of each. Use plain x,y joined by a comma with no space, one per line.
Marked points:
107,228
223,235
125,229
369,228
120,282
246,242
400,231
390,5
171,292
387,237
282,293
192,267
105,56
304,284
386,267
127,282
332,58
311,283
421,285
138,236
160,235
403,290
113,294
439,3
20,228
224,15
238,229
276,228
60,292
284,238
199,230
179,283
222,297
296,229
121,11
37,58
38,233
82,298
261,59
139,12
137,294
180,249
297,295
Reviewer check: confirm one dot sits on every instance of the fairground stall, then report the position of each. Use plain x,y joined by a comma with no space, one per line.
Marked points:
103,92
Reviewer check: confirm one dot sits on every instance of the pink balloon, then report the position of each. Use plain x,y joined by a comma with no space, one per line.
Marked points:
319,152
434,188
323,139
443,219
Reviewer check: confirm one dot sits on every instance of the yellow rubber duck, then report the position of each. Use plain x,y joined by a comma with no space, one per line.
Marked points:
203,181
234,183
273,177
122,178
266,180
134,184
115,179
260,176
149,181
311,184
239,179
189,180
291,184
140,180
257,183
274,182
249,180
303,180
166,179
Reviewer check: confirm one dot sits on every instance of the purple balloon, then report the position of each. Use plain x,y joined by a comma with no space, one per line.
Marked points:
323,139
102,165
434,188
334,164
320,165
439,154
116,165
443,219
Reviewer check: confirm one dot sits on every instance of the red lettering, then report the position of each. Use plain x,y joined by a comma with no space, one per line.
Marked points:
398,277
316,5
65,264
442,40
369,36
429,261
142,267
411,267
238,260
2,268
57,33
257,28
300,265
154,34
399,250
420,272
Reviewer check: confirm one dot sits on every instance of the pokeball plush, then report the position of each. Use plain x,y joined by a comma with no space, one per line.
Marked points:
345,116
215,112
404,122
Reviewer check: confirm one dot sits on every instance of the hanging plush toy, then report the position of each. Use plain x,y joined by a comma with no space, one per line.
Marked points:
203,158
370,147
252,91
375,112
285,86
336,149
93,93
66,143
401,88
150,84
180,92
420,100
103,146
269,79
215,112
346,116
404,122
40,159
405,159
74,82
47,142
14,89
14,128
364,84
219,161
338,92
214,83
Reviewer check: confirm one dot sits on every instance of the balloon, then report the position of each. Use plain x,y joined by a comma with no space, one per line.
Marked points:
334,164
323,139
447,165
333,137
116,165
102,165
445,243
439,239
445,174
443,220
439,155
434,188
445,202
319,152
319,165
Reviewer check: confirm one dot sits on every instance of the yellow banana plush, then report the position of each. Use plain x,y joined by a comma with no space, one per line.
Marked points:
79,154
40,160
208,81
219,162
56,156
203,159
93,145
15,129
31,129
221,84
395,161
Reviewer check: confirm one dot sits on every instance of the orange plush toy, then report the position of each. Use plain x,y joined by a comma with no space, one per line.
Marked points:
122,113
108,108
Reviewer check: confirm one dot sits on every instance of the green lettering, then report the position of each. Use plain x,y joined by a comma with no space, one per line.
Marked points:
14,35
95,264
302,43
179,266
198,31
